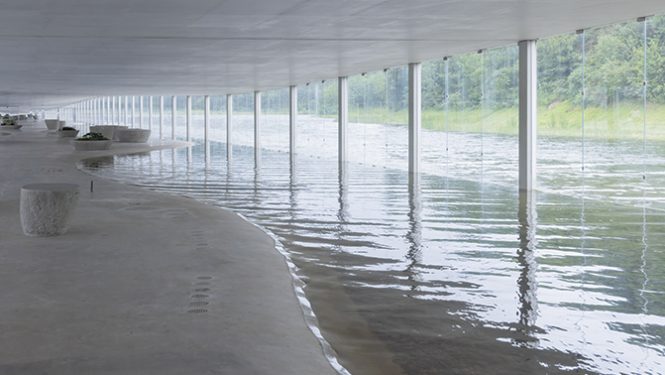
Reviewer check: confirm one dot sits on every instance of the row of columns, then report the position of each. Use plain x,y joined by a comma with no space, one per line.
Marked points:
110,109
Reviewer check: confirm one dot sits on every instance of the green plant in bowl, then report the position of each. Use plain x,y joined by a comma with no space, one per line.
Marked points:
92,137
8,120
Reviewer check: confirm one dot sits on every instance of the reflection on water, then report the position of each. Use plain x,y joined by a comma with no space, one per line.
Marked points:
443,275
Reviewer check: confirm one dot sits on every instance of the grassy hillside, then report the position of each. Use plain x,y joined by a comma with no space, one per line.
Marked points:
562,119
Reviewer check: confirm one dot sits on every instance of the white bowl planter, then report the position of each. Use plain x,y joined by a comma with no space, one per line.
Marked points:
52,124
132,135
11,127
108,131
67,133
91,145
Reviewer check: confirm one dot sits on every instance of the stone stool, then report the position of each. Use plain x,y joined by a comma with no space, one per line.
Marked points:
46,208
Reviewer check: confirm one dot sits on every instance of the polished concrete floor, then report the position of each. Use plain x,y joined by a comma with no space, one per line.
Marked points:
143,282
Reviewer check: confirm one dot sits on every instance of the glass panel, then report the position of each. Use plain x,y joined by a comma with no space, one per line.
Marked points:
655,113
464,119
316,126
560,117
218,118
614,117
378,118
198,123
275,121
181,118
242,121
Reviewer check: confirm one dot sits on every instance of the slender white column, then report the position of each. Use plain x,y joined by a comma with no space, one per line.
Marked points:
257,129
342,119
150,103
174,103
414,117
528,104
141,111
161,117
188,120
229,117
133,111
113,112
206,119
127,111
293,111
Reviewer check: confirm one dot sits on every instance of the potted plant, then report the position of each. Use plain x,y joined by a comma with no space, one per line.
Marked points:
67,132
52,124
107,130
9,122
92,142
132,135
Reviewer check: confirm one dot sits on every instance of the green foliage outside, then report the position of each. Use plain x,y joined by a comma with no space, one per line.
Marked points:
482,88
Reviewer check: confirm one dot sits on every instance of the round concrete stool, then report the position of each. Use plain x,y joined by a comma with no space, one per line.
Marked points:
46,208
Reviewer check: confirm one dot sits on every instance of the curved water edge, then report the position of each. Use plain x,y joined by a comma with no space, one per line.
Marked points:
297,283
565,289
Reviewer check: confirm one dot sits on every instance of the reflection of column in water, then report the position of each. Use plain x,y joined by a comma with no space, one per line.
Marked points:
206,154
343,210
643,258
414,233
256,189
583,236
293,197
173,171
189,160
527,283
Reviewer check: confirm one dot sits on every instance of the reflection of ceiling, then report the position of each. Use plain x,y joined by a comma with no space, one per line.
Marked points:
57,51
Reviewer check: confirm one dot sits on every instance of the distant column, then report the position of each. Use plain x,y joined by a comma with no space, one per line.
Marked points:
343,119
414,117
206,119
127,110
528,104
257,129
293,111
174,103
188,120
150,112
141,111
133,111
229,116
161,117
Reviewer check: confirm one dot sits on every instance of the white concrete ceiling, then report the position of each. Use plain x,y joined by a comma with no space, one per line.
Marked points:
58,51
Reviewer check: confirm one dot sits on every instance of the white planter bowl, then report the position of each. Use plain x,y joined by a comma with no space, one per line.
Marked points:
107,130
11,127
52,124
132,135
91,145
67,133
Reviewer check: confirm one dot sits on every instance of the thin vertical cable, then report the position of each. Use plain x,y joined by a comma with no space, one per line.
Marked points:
582,34
446,101
482,102
645,85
